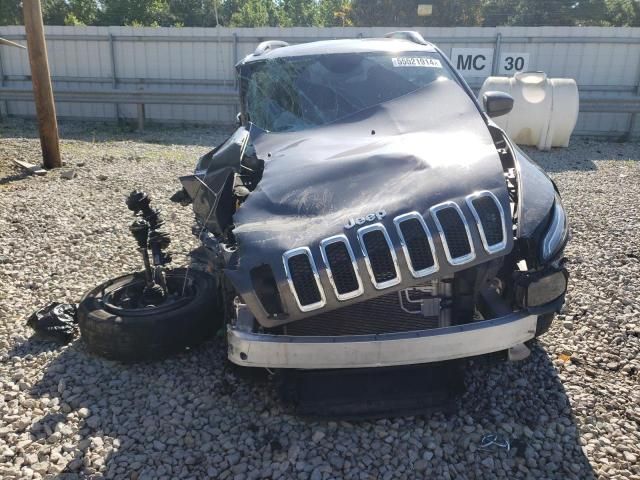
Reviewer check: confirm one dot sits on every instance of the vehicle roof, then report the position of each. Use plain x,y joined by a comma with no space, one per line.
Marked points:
351,45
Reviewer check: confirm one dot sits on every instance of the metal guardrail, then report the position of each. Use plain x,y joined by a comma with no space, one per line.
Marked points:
209,97
610,104
136,97
228,96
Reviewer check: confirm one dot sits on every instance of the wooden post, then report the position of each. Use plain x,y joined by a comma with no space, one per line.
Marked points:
141,117
41,80
141,113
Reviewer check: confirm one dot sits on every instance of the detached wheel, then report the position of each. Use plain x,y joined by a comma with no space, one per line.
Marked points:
114,326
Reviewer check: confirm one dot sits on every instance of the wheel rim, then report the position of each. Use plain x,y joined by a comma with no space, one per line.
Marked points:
124,299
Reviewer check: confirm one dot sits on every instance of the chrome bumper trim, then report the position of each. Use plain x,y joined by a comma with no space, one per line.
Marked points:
363,351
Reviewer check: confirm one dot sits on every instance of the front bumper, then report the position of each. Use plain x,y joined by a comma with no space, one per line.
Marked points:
364,351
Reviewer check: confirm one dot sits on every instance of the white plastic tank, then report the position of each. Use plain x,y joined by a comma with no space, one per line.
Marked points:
545,110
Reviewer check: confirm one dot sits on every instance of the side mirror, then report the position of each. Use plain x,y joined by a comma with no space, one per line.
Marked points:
497,103
238,120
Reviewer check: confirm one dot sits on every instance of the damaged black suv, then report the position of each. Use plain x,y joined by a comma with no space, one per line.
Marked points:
367,212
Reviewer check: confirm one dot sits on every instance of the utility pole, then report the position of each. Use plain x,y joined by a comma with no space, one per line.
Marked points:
41,80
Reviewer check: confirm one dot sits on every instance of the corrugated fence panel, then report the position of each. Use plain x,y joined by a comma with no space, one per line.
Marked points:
604,62
15,63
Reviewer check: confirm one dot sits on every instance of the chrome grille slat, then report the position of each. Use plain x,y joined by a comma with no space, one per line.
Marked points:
380,257
335,276
286,258
372,229
444,233
489,246
399,221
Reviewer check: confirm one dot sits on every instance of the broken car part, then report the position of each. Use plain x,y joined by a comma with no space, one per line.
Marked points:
56,322
114,325
491,440
150,239
150,314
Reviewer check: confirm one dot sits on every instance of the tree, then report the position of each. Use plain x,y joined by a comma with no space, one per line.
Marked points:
299,13
135,12
256,13
404,13
54,12
335,13
364,13
10,12
452,13
385,13
226,9
194,13
624,13
72,21
84,11
529,12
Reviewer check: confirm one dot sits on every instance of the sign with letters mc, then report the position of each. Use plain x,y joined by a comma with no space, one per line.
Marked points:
477,62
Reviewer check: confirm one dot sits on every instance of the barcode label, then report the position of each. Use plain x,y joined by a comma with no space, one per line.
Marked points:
416,62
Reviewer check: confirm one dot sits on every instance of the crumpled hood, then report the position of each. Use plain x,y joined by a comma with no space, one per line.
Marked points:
404,155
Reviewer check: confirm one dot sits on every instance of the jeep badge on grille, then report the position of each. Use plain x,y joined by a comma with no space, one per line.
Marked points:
380,214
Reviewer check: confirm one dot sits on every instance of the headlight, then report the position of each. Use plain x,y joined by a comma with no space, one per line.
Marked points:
546,289
557,233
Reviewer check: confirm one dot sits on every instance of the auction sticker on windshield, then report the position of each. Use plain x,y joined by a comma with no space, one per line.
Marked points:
416,62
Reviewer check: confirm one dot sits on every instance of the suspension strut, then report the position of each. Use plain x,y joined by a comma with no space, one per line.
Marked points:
152,241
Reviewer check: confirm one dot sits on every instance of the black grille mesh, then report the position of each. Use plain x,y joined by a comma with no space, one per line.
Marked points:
303,279
266,289
417,244
379,256
379,315
342,270
454,232
490,219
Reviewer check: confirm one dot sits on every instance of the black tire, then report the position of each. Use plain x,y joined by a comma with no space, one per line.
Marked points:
129,335
544,323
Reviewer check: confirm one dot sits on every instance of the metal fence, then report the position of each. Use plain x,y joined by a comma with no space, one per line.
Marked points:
187,74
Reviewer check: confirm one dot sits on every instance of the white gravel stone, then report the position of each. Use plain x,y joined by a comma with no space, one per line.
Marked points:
571,409
84,412
68,174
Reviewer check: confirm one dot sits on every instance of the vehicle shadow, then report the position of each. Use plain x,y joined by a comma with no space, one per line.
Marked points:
178,418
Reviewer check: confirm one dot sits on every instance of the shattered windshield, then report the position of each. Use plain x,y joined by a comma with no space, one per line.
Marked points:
294,93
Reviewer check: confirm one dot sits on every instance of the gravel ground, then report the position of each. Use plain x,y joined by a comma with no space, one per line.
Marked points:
570,411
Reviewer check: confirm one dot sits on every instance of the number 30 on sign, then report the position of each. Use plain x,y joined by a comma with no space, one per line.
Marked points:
511,63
